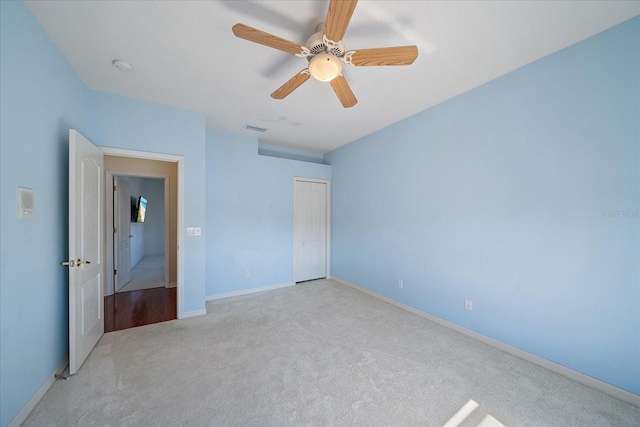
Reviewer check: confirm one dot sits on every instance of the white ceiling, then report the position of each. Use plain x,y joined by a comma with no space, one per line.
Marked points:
185,55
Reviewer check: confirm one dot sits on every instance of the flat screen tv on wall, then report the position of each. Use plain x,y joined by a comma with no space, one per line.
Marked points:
141,209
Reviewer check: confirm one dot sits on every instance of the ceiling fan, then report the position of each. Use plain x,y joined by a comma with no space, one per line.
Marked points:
326,53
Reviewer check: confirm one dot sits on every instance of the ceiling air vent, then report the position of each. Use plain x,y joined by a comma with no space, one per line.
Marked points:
255,128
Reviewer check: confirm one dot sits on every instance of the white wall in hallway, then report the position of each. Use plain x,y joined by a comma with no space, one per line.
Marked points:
148,236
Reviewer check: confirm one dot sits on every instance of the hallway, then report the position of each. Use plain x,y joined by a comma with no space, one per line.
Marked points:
148,273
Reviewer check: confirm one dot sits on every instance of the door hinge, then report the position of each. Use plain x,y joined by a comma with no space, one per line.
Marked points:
115,272
114,188
114,230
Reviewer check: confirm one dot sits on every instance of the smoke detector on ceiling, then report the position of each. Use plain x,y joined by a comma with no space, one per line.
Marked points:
122,65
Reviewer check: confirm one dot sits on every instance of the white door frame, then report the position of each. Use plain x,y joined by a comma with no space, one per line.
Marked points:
328,231
109,261
180,219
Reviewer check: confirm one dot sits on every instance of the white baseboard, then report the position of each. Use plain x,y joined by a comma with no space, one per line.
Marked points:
28,407
194,313
173,285
606,388
248,291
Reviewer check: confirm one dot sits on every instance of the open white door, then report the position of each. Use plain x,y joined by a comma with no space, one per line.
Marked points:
121,232
86,217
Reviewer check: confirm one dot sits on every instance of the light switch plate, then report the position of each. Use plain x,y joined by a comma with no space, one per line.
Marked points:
194,231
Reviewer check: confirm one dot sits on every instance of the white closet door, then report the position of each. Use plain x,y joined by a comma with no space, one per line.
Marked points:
310,230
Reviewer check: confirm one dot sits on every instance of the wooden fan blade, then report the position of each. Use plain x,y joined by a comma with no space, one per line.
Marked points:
293,84
400,55
343,91
338,18
257,36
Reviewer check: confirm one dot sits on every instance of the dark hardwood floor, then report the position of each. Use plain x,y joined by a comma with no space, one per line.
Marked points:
136,308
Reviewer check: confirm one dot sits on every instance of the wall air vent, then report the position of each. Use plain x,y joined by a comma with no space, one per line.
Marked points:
26,197
255,128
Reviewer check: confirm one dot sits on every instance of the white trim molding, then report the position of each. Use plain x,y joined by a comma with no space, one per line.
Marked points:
194,313
248,291
180,187
31,403
601,386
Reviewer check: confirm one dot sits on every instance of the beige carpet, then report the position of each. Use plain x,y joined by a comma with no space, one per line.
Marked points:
148,273
317,354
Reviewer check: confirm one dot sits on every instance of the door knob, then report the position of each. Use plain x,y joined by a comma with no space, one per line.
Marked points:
80,262
71,263
130,235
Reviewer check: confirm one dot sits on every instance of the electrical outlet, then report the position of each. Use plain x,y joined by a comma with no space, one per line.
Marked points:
247,274
468,304
400,284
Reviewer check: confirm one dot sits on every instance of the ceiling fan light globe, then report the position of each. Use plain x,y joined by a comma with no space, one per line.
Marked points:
325,67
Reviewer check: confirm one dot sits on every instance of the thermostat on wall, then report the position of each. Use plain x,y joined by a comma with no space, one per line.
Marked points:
26,203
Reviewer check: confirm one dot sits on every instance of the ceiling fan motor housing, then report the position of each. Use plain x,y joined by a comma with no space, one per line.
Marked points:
316,44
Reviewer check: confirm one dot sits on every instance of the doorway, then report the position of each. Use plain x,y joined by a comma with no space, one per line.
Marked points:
141,236
140,232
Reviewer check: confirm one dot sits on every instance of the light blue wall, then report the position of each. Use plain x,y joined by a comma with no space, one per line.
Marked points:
148,236
250,213
290,153
42,97
120,122
499,195
154,237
